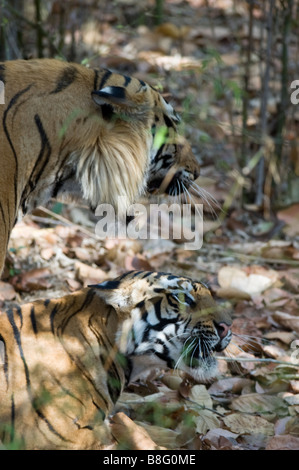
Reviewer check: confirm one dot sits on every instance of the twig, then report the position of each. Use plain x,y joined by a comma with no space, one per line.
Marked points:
204,407
255,359
39,31
287,7
264,260
68,222
264,100
246,84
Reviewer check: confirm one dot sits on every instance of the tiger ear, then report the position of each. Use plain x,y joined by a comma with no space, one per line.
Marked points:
113,294
123,295
113,95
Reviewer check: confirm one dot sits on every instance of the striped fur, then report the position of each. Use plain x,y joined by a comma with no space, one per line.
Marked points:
66,361
68,130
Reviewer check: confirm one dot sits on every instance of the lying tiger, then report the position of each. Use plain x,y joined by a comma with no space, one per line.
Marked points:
68,130
66,361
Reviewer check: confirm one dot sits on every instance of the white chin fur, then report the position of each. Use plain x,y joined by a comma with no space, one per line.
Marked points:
202,374
143,366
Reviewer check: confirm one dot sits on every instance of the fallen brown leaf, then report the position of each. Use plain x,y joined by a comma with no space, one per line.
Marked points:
232,293
230,384
88,274
47,253
221,439
253,280
260,403
7,291
240,423
291,217
285,442
288,321
137,263
35,279
131,435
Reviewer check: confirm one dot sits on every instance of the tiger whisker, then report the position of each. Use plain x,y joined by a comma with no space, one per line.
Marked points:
180,335
205,198
199,349
212,210
252,339
232,343
185,352
192,200
208,195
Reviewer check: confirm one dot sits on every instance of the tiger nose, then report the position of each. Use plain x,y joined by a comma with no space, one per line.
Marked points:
222,329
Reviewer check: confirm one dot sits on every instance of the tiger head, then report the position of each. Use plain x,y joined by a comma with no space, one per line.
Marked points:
85,133
171,166
70,131
171,321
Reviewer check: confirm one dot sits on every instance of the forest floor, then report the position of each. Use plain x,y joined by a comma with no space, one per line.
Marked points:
250,262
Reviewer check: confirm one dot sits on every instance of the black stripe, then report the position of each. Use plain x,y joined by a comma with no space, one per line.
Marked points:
19,312
171,301
2,211
88,299
136,273
65,79
40,164
103,414
45,146
114,382
158,290
158,154
89,296
52,316
107,285
17,337
5,366
147,274
189,301
104,78
140,304
127,80
12,102
50,427
107,112
95,81
2,73
168,121
59,183
157,307
127,274
60,171
33,319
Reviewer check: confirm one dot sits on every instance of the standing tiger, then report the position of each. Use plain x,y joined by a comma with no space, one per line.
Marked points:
66,129
65,361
